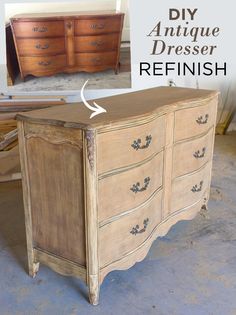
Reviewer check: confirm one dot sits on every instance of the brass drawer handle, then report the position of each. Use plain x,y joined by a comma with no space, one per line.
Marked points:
96,60
97,26
197,188
39,46
44,63
135,230
199,155
136,187
40,29
137,143
202,121
97,43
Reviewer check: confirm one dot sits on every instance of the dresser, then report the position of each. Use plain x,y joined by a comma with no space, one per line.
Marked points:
51,43
98,192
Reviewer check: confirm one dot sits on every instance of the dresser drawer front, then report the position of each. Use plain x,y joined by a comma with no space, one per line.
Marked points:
97,26
124,147
126,234
96,43
195,121
41,46
192,155
129,189
43,64
38,29
96,59
189,189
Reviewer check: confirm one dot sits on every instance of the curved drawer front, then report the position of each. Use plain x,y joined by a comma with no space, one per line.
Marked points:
41,46
126,234
96,59
189,189
194,121
127,190
43,64
97,25
124,147
39,29
96,43
192,155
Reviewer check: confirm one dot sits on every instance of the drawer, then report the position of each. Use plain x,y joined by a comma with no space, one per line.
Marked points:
96,59
41,46
192,155
190,188
96,43
98,25
39,29
42,64
194,121
129,189
122,236
124,147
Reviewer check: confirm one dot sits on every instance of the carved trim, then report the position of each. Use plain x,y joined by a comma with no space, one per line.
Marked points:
55,140
89,136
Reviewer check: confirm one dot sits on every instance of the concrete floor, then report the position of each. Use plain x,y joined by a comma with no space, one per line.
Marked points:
190,271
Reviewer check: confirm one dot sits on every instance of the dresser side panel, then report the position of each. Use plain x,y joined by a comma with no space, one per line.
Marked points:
55,167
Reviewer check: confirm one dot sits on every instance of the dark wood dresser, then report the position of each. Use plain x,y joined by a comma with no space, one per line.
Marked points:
51,43
98,192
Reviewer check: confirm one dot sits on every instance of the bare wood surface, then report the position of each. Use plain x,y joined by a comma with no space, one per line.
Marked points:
91,215
123,108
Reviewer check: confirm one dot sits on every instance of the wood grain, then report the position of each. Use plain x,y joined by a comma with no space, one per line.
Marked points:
182,194
55,170
41,46
99,25
99,191
38,29
191,155
115,194
60,40
186,120
97,43
112,235
116,149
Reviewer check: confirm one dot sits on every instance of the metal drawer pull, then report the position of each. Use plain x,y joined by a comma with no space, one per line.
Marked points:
202,121
199,155
135,230
97,43
40,29
39,46
137,143
136,187
97,26
44,63
197,188
96,60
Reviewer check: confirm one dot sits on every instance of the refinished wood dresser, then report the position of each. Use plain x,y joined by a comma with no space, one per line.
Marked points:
50,43
98,192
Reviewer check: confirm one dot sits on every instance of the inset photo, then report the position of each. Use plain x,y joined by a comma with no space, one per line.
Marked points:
57,46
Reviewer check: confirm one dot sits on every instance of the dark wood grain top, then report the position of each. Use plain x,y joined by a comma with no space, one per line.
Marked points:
119,108
64,15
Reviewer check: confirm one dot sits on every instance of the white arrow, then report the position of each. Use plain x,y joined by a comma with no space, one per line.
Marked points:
97,109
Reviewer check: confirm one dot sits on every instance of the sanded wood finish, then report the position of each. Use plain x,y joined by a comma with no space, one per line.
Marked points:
99,191
47,44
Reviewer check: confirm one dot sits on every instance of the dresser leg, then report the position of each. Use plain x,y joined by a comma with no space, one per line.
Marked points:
33,269
94,289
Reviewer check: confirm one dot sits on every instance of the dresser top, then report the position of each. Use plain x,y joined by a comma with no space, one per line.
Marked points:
120,108
63,15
